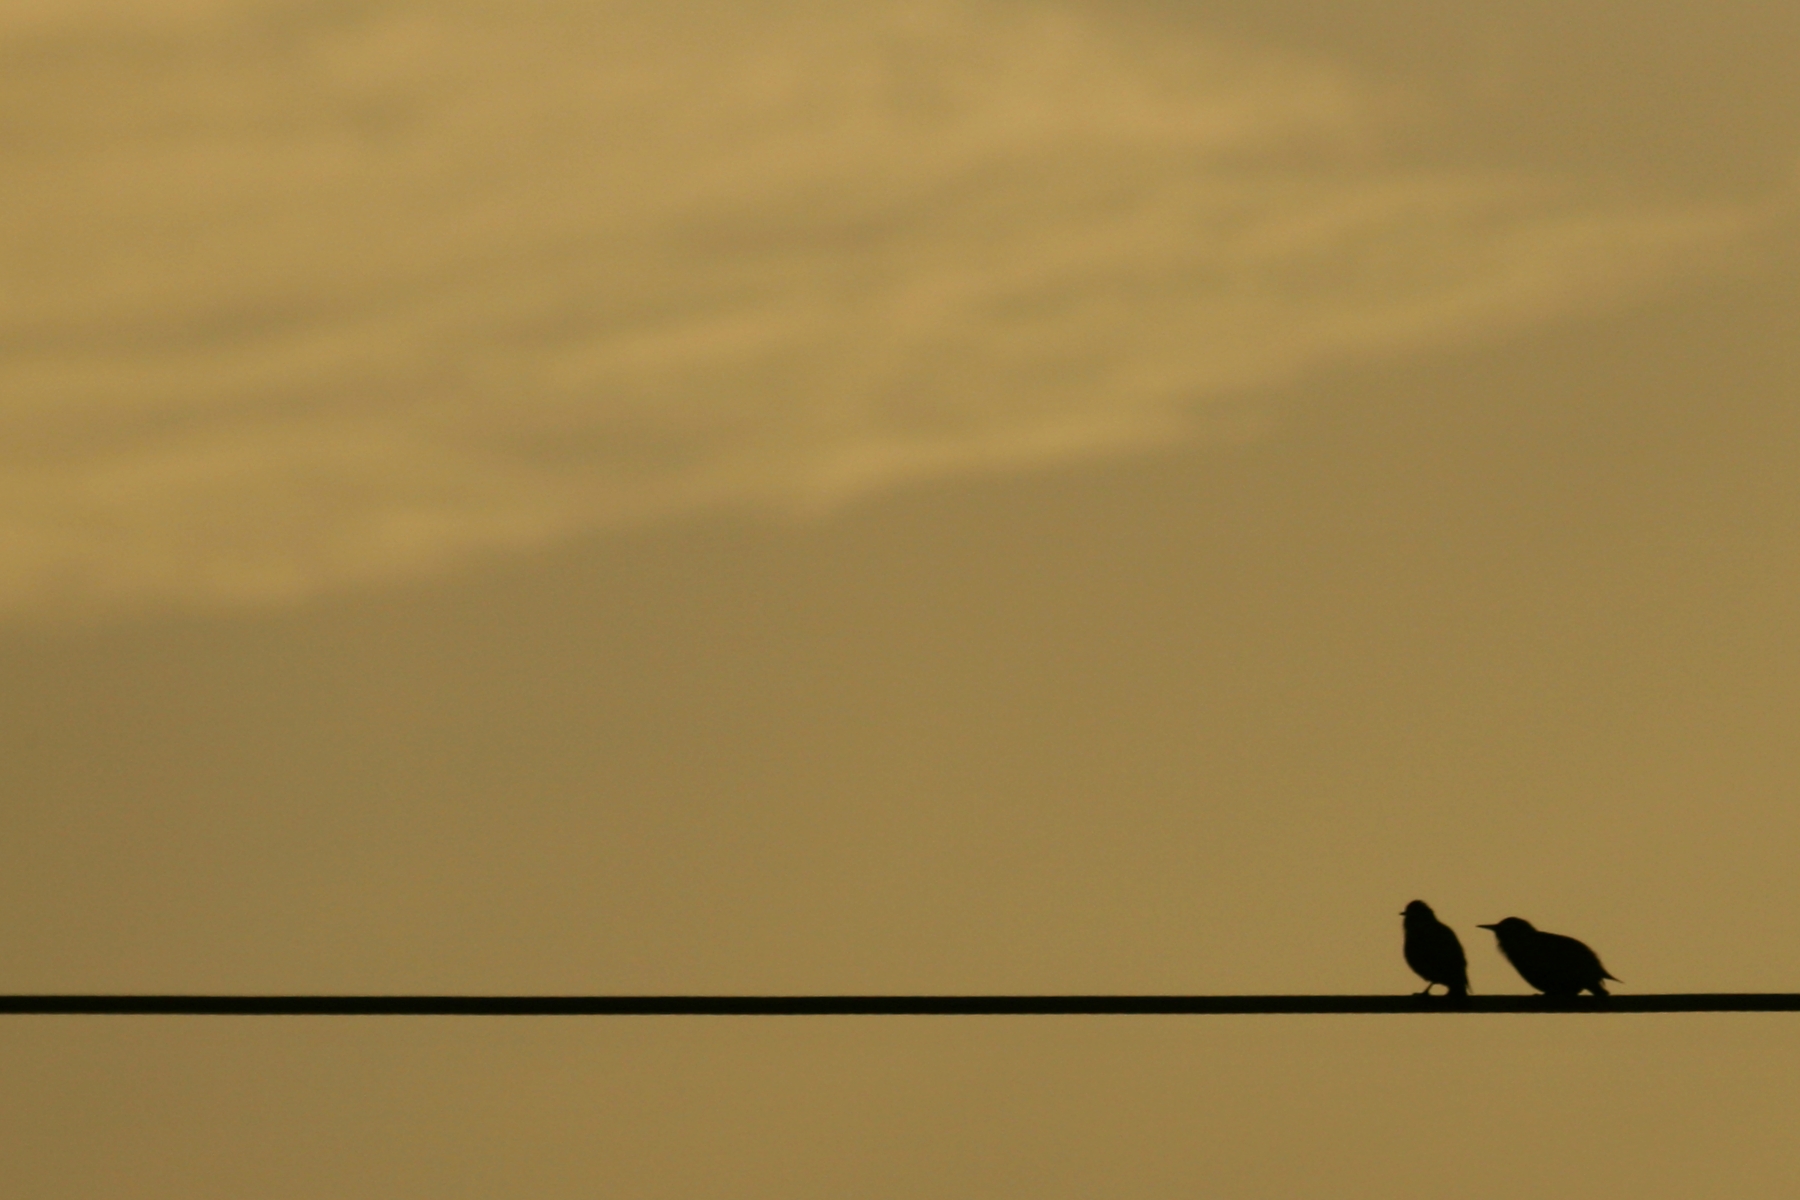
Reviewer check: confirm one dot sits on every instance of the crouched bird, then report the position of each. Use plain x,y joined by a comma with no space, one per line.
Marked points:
1433,950
1550,962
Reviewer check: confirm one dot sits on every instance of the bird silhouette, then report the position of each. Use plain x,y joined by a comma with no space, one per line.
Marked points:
1433,950
1553,964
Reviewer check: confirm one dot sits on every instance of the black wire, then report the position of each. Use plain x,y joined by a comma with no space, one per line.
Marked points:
630,1006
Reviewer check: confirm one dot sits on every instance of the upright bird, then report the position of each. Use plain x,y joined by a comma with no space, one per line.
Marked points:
1433,950
1551,963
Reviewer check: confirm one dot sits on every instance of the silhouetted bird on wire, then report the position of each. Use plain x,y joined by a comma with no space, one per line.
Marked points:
1551,963
1433,950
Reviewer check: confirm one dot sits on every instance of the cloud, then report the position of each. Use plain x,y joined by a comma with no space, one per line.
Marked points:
303,296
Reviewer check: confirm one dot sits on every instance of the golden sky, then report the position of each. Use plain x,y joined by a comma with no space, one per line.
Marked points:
960,496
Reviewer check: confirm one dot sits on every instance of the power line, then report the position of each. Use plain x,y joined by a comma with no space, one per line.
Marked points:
823,1006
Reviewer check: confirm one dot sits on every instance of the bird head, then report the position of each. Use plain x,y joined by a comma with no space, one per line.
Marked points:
1418,909
1511,927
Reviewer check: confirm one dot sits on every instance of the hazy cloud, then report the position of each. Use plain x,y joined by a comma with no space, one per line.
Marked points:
297,295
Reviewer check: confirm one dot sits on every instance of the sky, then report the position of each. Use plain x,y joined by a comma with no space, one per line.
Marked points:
979,496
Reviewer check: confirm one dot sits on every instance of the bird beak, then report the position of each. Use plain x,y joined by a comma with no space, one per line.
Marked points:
1487,927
